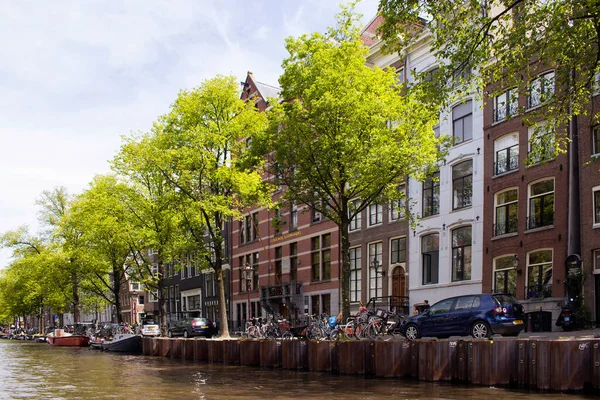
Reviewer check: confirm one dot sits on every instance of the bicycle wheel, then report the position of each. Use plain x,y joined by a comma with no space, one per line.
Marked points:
316,333
287,335
253,332
348,331
360,331
372,331
334,335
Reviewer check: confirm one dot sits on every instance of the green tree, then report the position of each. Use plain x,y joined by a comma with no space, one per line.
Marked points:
199,144
510,42
151,202
348,132
110,240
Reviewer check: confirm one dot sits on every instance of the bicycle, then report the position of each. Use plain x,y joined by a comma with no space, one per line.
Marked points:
381,325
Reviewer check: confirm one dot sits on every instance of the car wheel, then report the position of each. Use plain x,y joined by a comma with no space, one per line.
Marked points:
170,334
185,334
480,330
412,332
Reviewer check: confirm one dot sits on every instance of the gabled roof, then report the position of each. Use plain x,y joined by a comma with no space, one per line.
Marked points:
267,91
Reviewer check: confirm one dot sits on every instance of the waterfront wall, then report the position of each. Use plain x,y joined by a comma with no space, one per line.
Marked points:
532,363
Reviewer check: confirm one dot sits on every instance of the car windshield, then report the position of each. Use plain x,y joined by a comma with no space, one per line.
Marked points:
149,322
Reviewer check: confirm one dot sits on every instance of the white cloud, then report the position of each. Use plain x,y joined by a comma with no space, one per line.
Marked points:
76,75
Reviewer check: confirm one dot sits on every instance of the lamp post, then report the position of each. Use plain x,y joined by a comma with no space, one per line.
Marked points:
375,267
248,270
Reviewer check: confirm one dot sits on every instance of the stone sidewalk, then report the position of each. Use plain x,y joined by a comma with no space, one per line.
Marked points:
595,332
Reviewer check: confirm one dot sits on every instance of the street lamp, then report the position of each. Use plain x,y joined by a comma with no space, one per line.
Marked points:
375,267
247,271
515,264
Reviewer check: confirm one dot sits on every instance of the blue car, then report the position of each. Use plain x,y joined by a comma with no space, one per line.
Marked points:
479,315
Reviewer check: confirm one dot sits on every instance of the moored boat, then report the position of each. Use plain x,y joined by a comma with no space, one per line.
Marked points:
60,338
124,343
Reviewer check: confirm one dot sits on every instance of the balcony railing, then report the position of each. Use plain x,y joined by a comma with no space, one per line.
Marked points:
539,221
538,291
505,227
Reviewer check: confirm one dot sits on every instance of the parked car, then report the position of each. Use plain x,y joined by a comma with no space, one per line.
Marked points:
478,315
150,328
192,327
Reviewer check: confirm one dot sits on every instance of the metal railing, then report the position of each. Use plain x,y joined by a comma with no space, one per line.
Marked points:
505,227
539,221
509,162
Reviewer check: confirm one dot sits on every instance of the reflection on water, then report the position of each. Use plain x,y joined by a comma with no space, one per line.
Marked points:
40,371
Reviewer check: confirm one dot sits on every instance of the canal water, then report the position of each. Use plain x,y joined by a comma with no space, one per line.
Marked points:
41,371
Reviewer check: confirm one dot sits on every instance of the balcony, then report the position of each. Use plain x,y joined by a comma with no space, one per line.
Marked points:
538,291
540,221
506,227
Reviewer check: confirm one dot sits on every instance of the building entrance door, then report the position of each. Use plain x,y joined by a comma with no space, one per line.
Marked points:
398,282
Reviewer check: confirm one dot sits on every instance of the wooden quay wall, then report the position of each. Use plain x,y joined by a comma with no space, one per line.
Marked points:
561,365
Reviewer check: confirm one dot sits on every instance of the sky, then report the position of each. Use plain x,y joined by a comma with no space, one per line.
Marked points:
77,75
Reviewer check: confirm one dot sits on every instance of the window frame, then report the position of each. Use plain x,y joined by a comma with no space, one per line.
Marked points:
378,214
542,290
398,249
428,255
508,105
375,277
531,224
356,222
355,274
508,221
506,271
462,119
321,252
464,178
434,208
596,206
596,141
511,162
543,95
465,274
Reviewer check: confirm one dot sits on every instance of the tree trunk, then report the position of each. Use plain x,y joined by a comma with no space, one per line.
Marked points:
76,301
162,300
223,323
116,294
345,278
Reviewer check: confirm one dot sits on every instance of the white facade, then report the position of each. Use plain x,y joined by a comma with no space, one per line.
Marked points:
453,214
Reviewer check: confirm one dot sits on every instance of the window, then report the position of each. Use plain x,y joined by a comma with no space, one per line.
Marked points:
398,207
355,274
293,217
321,304
375,214
316,216
596,141
356,222
443,306
316,304
596,192
462,184
506,212
541,143
462,122
400,75
141,300
398,250
210,284
248,228
375,279
248,284
539,274
431,195
430,252
541,204
135,286
505,105
541,89
294,261
278,221
461,254
596,84
464,303
505,275
255,273
255,226
597,260
321,257
506,153
278,264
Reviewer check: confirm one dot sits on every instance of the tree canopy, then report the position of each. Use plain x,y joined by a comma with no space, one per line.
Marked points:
509,43
347,132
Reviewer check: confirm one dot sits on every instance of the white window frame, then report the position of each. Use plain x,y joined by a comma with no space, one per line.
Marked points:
595,131
542,125
596,221
543,80
495,269
356,222
374,277
510,104
378,214
397,208
596,261
400,263
506,204
356,271
528,265
529,197
514,144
